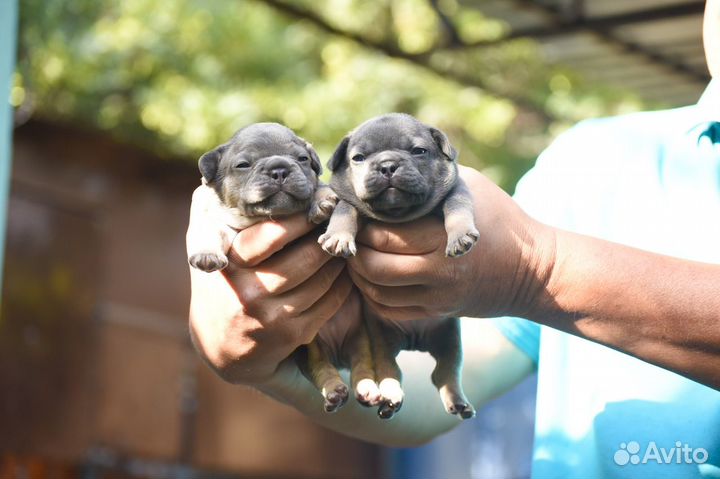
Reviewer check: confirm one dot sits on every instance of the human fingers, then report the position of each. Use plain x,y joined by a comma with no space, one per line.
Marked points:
393,296
259,241
313,318
408,313
419,237
389,269
303,297
284,270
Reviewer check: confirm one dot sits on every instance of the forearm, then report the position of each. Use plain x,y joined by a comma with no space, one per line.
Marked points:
492,366
663,310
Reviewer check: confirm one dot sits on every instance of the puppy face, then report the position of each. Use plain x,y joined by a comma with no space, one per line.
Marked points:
264,170
394,168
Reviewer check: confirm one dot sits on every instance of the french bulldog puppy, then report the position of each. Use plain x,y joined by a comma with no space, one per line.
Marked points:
395,169
263,171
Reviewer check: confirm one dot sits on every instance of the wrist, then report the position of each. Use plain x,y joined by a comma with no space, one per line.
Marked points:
537,278
283,382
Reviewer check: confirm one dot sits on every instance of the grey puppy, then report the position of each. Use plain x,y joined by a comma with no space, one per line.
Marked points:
263,171
395,169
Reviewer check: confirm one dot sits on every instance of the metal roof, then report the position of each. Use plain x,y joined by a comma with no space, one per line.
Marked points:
652,47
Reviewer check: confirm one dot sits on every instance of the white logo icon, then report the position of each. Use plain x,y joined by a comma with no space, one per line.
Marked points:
629,453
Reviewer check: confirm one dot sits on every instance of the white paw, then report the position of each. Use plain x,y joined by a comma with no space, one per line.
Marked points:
393,397
391,390
338,244
367,393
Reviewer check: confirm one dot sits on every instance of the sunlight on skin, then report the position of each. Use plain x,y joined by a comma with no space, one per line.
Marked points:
270,281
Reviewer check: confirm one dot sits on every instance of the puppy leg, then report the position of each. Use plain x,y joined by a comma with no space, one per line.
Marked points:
385,344
208,241
339,239
362,369
446,347
325,377
459,221
323,204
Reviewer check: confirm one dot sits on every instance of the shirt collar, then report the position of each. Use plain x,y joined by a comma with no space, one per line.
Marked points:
704,117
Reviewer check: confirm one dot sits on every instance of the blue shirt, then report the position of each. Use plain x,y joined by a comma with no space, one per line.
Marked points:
649,180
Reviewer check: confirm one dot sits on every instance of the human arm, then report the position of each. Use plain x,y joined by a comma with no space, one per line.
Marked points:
492,366
247,320
660,309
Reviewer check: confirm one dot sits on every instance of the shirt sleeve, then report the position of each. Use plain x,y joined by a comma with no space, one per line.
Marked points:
524,334
544,193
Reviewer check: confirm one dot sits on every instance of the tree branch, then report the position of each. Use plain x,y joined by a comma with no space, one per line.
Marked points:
422,59
448,25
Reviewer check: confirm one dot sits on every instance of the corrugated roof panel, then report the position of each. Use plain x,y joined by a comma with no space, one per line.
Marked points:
679,29
595,8
651,46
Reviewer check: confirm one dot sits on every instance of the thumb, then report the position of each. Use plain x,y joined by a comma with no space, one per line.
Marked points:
261,240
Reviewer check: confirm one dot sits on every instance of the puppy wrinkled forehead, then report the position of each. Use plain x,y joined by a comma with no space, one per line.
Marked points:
266,139
395,130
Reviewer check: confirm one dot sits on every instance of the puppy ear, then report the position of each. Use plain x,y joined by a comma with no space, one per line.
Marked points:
441,140
314,159
210,161
340,154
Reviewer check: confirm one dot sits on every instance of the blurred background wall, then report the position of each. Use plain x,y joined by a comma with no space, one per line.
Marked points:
113,103
96,367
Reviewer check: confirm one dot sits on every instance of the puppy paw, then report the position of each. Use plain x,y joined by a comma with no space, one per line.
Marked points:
460,243
322,210
455,402
367,393
462,410
338,244
323,205
393,397
335,396
208,262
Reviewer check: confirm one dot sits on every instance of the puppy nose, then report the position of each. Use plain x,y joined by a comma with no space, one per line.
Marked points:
388,168
279,174
277,168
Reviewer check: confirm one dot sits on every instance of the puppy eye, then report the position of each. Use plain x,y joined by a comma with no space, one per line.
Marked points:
242,164
303,158
358,157
418,151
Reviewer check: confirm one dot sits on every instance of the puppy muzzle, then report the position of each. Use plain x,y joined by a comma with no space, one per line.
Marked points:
278,175
394,186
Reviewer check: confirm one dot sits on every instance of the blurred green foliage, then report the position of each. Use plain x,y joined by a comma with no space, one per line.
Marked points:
180,76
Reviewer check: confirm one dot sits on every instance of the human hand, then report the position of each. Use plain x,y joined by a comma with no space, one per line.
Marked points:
403,273
277,291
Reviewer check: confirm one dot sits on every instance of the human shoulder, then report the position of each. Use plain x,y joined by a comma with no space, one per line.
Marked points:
622,133
601,146
593,160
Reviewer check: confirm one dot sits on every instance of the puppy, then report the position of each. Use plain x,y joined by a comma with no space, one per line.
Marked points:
263,171
395,169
